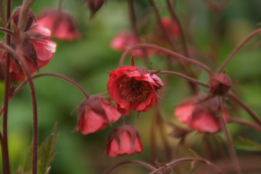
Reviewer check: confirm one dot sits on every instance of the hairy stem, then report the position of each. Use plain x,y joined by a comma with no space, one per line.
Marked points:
176,19
249,111
238,48
246,123
34,102
219,171
230,147
184,77
169,52
131,162
4,144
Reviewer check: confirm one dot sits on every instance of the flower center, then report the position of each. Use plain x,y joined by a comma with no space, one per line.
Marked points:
133,90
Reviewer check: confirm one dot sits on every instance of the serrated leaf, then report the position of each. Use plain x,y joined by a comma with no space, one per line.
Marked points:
46,152
28,160
245,144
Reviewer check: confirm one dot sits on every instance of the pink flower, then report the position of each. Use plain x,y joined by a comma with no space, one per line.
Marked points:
127,38
201,115
124,140
60,23
37,49
133,88
95,113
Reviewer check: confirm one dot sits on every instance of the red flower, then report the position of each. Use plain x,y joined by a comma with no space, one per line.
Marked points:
37,49
95,113
133,87
127,38
61,24
201,115
124,140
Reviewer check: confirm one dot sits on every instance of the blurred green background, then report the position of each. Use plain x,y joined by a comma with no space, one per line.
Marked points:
88,60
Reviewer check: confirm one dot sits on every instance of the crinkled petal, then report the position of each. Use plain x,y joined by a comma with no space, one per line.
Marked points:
111,112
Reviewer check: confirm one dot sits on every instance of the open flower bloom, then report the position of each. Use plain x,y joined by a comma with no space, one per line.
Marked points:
124,140
95,113
127,38
133,88
201,114
60,23
37,49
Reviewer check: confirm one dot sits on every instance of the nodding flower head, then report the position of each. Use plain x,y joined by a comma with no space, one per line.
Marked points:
133,88
201,113
30,18
124,140
95,113
61,24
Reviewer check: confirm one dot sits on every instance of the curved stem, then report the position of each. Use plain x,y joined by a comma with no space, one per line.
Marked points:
46,74
247,123
184,77
176,19
238,48
169,52
241,103
34,103
132,162
4,144
230,147
8,31
190,159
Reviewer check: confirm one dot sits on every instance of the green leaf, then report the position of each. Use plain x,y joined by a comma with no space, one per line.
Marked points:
28,160
46,152
245,144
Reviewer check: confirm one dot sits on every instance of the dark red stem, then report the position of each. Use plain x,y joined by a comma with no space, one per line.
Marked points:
244,122
241,103
47,74
175,18
34,102
131,162
219,171
8,31
230,147
5,152
238,48
184,77
169,52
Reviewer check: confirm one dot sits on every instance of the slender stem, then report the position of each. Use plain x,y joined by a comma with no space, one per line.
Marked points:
169,52
176,19
244,122
230,147
131,162
8,31
190,159
46,74
5,151
238,48
60,5
153,138
34,102
241,103
23,17
184,77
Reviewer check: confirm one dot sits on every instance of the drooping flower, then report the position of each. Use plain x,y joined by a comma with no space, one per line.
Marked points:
124,140
201,113
133,88
36,47
95,113
61,24
127,38
94,5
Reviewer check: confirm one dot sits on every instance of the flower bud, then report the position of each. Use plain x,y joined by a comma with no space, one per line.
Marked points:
220,84
29,21
94,5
